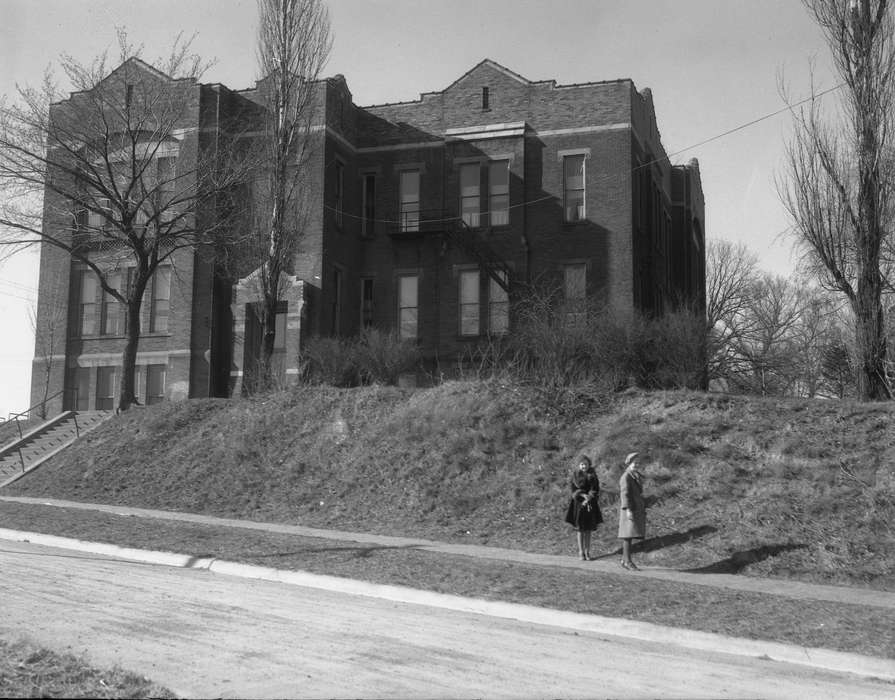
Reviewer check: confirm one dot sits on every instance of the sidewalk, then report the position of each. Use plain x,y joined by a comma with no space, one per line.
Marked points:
823,659
606,564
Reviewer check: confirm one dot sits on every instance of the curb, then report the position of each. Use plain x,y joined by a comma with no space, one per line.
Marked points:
841,662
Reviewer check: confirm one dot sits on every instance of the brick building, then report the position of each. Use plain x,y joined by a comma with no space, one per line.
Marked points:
429,215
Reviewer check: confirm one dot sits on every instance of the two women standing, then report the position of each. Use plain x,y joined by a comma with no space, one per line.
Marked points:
583,512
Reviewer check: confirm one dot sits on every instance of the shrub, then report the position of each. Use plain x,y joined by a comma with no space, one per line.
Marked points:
331,361
559,343
382,357
372,358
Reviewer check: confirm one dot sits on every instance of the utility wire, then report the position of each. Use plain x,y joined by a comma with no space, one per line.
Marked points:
668,157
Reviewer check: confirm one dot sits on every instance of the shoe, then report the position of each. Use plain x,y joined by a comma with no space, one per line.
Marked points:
586,557
623,564
583,557
632,566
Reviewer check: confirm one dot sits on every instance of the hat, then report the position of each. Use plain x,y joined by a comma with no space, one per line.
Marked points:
630,458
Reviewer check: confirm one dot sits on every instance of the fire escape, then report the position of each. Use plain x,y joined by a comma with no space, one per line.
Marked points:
452,231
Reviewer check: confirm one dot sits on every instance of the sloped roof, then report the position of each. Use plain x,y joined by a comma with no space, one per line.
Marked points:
494,65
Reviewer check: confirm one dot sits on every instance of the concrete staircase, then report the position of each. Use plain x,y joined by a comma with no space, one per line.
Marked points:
39,444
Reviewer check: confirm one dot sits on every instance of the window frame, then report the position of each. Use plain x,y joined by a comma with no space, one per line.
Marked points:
150,398
106,402
492,195
340,194
498,298
158,311
474,200
409,224
581,207
111,310
85,274
367,306
402,308
368,205
469,305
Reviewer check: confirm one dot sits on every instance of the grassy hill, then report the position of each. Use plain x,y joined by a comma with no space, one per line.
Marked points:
770,487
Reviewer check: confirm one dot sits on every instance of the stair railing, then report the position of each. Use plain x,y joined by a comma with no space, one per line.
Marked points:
27,412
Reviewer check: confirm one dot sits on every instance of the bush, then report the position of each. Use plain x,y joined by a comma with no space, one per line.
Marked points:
381,357
331,361
372,358
559,343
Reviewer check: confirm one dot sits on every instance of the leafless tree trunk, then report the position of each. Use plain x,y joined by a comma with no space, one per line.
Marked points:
50,324
98,173
293,46
838,181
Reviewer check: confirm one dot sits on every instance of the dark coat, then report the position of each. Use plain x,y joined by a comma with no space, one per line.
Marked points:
579,515
630,498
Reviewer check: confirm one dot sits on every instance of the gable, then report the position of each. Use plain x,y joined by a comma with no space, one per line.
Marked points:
487,86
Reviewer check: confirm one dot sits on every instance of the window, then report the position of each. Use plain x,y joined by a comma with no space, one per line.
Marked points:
498,307
469,302
160,301
337,301
573,188
499,192
81,390
279,331
155,384
111,310
575,281
575,287
486,98
470,203
88,305
366,302
128,95
408,306
105,388
410,200
166,173
340,192
369,195
98,220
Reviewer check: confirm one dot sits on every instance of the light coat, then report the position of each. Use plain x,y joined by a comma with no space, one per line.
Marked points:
630,499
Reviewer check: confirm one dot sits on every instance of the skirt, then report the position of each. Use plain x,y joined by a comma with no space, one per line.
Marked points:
583,517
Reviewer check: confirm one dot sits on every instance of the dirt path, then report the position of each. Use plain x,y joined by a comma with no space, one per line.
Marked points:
204,634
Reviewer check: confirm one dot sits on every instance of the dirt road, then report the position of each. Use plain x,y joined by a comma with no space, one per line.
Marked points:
204,634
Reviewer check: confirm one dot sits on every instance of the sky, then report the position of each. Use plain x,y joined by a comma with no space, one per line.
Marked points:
714,68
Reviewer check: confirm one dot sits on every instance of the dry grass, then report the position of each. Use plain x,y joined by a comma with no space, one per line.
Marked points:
766,487
28,671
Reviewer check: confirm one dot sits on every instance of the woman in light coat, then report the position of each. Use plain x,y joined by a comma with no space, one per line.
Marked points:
632,509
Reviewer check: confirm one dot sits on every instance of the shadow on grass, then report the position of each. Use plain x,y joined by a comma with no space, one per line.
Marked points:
738,561
653,543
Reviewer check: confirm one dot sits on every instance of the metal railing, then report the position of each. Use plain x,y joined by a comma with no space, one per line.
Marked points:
26,414
452,229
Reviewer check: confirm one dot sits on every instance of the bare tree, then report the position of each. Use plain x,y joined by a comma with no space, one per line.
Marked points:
838,181
293,46
762,357
49,321
102,174
731,273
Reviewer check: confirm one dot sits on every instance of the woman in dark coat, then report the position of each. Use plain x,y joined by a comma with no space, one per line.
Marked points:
583,512
632,509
